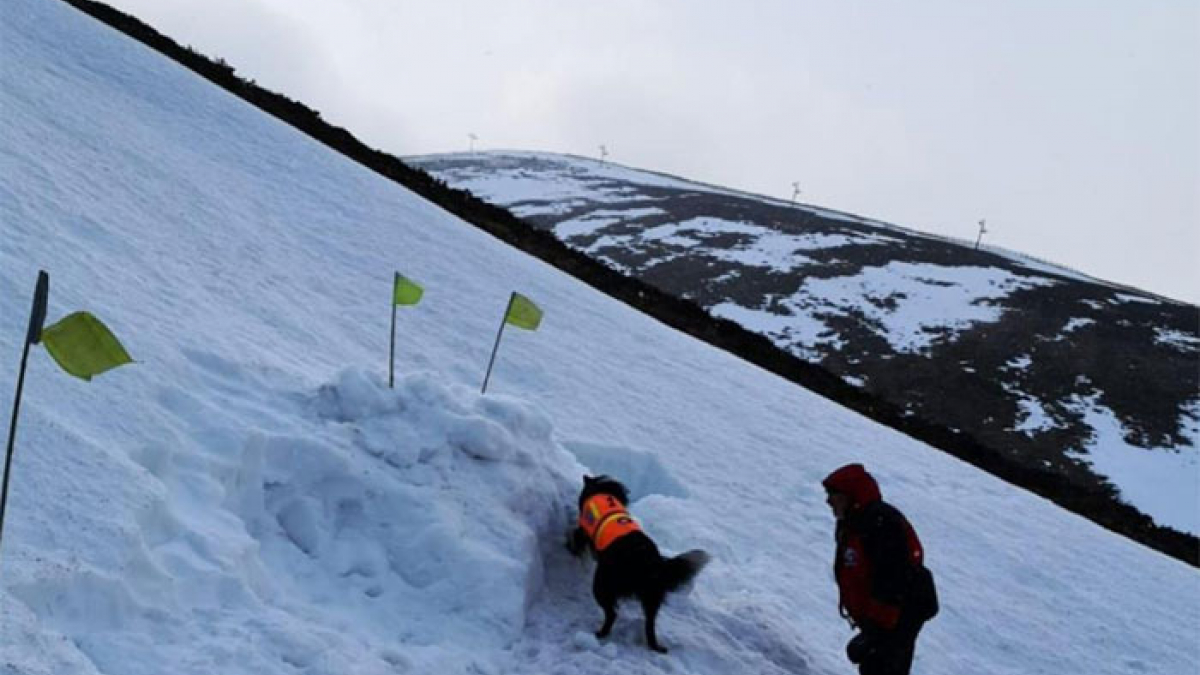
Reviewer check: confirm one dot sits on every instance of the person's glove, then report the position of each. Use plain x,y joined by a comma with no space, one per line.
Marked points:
859,648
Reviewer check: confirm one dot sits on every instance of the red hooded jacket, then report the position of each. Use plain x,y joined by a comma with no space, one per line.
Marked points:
878,555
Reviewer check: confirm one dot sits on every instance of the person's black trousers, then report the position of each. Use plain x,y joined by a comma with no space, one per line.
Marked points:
891,653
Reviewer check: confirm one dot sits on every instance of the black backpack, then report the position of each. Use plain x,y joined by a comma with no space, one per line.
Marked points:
922,600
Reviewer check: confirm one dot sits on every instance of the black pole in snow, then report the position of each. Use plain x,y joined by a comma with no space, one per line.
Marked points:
495,347
37,316
392,350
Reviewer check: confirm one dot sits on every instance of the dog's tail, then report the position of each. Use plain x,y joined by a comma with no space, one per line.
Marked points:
682,568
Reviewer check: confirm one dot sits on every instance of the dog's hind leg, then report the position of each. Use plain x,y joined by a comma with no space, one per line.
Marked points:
651,602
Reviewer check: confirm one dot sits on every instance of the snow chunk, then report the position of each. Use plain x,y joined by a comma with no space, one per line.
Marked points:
1021,362
641,472
1075,324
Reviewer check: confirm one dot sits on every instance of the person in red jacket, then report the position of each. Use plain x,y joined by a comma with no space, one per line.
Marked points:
885,591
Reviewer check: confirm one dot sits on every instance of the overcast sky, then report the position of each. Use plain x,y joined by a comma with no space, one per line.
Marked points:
1073,127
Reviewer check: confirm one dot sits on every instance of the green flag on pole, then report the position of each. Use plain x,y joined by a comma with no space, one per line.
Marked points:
83,346
406,291
522,313
80,344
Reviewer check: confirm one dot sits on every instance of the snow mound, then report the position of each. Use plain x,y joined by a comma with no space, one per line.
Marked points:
430,497
427,510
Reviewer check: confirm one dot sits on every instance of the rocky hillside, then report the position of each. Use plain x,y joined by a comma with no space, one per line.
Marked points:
1065,375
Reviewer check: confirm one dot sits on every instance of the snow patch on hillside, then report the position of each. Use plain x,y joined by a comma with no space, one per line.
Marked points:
801,332
595,220
1119,298
911,305
1032,416
1161,482
1178,339
500,178
758,246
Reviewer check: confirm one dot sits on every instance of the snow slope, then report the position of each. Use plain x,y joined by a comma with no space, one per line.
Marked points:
251,497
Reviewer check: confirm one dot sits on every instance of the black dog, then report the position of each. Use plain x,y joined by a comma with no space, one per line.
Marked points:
627,561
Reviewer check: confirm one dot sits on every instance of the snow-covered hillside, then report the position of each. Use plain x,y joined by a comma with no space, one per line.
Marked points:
1062,374
251,497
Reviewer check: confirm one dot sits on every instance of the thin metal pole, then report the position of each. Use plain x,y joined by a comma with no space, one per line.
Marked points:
36,317
503,320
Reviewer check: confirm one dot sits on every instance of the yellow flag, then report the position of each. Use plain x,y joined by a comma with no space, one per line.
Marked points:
522,313
83,346
405,291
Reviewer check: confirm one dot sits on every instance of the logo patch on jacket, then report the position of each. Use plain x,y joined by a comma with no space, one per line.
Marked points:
590,514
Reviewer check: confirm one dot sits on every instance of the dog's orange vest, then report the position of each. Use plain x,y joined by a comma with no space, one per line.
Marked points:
605,520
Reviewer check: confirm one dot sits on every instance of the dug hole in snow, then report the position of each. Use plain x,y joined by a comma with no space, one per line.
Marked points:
427,508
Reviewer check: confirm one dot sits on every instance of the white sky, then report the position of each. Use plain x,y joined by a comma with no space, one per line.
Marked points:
1071,126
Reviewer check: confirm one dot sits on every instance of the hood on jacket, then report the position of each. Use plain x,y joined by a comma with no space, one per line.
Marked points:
853,480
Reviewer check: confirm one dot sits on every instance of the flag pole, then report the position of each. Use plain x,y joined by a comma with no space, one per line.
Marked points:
495,347
37,317
392,350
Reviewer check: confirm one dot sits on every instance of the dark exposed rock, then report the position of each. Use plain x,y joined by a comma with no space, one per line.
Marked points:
1057,338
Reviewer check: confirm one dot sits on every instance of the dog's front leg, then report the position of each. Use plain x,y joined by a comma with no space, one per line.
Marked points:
607,601
610,617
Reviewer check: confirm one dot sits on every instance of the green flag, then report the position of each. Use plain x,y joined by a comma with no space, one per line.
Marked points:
522,313
406,291
83,346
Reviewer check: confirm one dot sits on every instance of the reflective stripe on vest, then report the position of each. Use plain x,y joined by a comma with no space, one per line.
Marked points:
605,520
